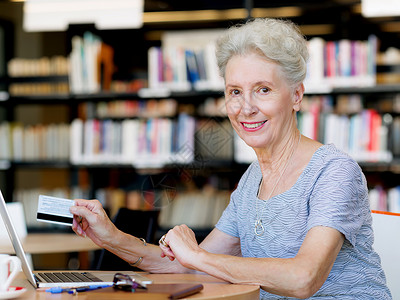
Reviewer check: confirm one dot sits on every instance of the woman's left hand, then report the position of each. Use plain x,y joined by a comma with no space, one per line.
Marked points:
180,243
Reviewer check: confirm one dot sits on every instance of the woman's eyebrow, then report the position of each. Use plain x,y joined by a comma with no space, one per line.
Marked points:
261,82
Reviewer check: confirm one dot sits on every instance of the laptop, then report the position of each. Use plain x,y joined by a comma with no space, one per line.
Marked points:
58,278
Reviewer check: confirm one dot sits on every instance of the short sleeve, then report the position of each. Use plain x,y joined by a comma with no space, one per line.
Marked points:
339,198
228,221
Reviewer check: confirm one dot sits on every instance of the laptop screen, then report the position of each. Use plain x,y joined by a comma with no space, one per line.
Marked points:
19,251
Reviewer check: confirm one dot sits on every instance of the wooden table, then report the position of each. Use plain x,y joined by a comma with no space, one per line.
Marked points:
51,243
214,288
42,243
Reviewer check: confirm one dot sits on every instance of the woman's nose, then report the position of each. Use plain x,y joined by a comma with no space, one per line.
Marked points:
248,105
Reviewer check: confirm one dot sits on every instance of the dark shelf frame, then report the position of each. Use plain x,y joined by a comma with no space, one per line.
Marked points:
109,96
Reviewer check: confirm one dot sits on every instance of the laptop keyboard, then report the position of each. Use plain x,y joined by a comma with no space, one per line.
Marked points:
69,277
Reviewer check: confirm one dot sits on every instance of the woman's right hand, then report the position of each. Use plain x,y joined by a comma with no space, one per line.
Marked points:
91,220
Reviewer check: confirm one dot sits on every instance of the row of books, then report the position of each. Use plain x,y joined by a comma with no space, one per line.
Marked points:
186,60
42,88
89,67
341,63
41,67
91,64
84,64
156,142
143,143
364,134
128,109
44,66
34,143
385,199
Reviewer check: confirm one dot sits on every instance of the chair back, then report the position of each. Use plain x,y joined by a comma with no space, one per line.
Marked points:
139,223
16,212
17,215
386,228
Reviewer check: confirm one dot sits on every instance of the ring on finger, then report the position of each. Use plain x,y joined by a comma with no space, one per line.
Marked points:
163,242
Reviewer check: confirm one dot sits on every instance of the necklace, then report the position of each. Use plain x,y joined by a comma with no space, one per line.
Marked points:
258,226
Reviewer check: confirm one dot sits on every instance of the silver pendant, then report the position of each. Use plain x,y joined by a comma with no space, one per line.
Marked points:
258,228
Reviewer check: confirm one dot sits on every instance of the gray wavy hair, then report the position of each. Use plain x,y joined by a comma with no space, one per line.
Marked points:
278,40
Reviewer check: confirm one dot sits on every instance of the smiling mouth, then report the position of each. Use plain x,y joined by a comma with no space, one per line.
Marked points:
253,125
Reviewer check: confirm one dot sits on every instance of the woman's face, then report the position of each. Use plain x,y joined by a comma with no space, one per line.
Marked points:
259,102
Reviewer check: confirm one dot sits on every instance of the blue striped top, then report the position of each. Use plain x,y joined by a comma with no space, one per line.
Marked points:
331,191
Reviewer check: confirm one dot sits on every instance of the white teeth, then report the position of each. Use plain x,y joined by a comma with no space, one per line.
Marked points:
253,125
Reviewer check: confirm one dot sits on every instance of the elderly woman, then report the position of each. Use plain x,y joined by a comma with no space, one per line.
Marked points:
299,222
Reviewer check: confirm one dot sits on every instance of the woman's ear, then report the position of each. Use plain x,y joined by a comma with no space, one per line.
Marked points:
298,97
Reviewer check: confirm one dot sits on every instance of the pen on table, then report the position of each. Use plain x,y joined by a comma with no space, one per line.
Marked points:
88,288
58,290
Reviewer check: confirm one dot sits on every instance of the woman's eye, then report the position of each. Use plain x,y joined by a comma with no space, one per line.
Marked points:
235,92
264,90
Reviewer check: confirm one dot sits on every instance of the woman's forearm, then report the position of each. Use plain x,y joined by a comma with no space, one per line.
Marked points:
278,276
90,220
299,277
130,248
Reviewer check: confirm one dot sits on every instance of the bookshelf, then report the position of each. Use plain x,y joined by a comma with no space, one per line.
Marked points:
204,172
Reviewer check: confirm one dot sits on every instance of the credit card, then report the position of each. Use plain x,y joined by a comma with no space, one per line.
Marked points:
54,210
